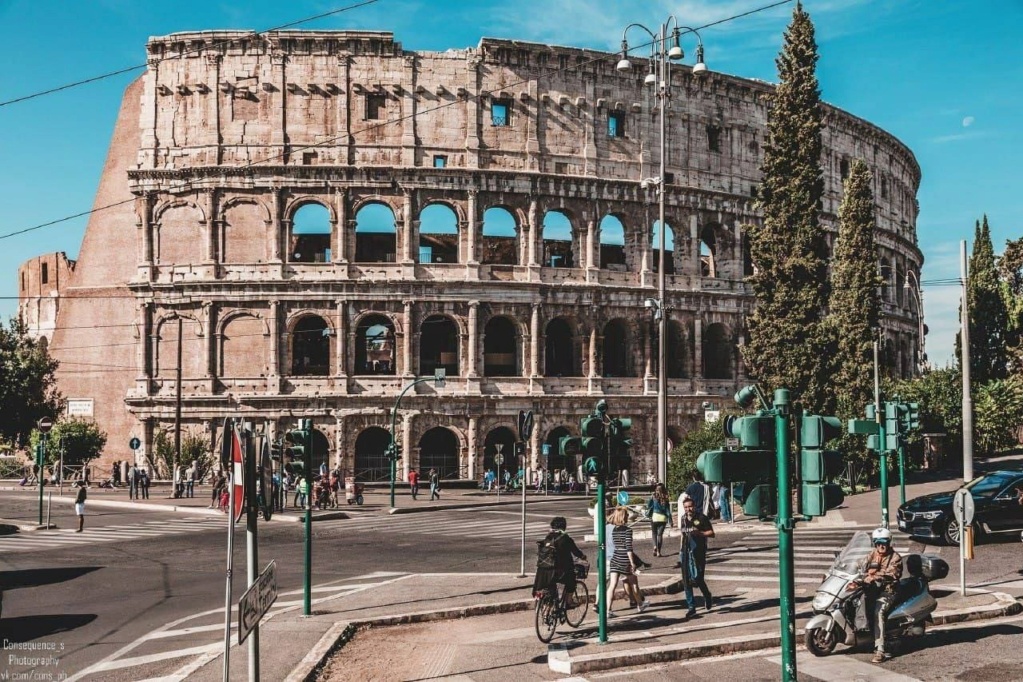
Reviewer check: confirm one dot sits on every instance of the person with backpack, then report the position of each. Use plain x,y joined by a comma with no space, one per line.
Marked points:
554,554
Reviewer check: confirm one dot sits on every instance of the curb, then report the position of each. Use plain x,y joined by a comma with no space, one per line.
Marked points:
199,511
10,527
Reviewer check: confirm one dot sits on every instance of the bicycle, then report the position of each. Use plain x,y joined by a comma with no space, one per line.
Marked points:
570,608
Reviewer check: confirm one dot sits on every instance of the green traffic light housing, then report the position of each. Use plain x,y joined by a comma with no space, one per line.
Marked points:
754,432
570,446
819,466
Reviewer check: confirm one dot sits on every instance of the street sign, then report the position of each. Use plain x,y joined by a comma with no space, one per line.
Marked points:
546,449
623,498
267,480
238,475
134,443
711,415
731,443
963,507
499,459
45,424
256,601
525,424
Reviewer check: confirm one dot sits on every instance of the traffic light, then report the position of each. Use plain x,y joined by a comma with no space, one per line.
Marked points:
818,466
912,416
591,443
621,442
754,432
520,449
570,446
299,447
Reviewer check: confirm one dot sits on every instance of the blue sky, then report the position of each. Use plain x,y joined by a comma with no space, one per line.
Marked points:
944,77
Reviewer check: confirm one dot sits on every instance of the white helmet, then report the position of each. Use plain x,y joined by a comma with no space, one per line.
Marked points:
881,535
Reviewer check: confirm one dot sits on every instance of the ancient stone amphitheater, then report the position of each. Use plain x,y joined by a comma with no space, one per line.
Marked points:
313,219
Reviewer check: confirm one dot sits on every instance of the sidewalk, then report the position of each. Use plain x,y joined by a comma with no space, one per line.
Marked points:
482,611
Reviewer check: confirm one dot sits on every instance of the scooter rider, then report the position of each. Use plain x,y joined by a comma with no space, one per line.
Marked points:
882,569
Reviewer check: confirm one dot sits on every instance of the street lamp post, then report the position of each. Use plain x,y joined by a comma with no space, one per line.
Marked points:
661,57
392,449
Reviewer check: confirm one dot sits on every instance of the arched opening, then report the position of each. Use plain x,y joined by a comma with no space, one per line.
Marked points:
374,346
500,341
504,437
438,346
499,245
885,271
438,235
376,238
309,241
669,248
559,350
708,249
554,460
310,347
243,348
371,461
717,353
612,244
438,449
616,349
675,351
557,240
748,268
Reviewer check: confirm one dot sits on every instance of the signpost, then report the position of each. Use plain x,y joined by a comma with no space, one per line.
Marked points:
44,425
963,507
499,460
623,498
134,443
257,601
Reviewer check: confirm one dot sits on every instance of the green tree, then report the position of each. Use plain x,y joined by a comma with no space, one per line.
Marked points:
1010,272
989,319
940,395
998,410
195,447
787,338
854,306
28,388
81,439
706,436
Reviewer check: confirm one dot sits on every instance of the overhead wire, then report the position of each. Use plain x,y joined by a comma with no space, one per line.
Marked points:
371,127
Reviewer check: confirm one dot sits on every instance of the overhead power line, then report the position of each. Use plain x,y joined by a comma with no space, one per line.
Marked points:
371,127
129,69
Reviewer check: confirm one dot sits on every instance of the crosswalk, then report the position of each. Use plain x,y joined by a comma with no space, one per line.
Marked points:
62,538
477,523
754,559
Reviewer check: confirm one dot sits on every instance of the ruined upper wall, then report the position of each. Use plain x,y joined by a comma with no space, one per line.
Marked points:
356,98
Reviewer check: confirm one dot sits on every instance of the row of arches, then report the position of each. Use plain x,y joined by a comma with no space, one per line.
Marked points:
624,348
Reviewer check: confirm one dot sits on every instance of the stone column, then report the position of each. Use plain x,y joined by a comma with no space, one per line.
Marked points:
473,350
207,322
275,352
144,206
213,108
406,442
406,345
276,206
143,323
593,352
278,116
341,334
210,208
339,239
473,454
592,245
408,255
472,225
694,246
534,341
534,236
698,349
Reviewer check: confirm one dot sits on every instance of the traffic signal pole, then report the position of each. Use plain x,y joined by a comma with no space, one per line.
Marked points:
601,563
307,607
786,526
40,460
252,541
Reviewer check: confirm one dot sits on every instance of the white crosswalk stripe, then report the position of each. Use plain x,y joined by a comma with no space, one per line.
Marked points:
754,558
59,539
459,523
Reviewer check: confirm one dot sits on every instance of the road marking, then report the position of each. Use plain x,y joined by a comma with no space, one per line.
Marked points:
153,658
839,667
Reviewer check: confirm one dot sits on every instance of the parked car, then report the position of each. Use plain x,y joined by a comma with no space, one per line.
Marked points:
997,499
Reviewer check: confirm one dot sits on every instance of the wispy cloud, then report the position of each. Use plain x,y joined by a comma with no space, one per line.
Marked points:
959,137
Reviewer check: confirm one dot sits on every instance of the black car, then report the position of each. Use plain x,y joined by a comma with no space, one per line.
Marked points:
996,498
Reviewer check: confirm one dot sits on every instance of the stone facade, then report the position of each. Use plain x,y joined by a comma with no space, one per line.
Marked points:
41,280
320,217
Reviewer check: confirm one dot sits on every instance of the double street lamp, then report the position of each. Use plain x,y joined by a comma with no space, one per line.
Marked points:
661,56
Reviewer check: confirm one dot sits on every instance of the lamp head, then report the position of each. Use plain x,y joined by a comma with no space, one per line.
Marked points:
699,66
650,79
746,396
676,52
601,407
623,63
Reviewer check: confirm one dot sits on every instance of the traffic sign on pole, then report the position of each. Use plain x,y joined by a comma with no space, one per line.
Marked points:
525,424
45,424
134,443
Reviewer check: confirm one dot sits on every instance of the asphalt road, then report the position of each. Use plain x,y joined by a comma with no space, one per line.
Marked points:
85,601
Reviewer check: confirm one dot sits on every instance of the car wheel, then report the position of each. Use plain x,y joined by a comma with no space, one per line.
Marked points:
951,534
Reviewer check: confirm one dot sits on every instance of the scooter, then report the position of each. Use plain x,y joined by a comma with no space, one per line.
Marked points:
835,605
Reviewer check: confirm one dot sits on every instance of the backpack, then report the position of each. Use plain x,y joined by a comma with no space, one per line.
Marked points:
547,551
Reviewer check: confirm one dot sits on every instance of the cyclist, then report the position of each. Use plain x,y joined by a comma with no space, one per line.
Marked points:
564,549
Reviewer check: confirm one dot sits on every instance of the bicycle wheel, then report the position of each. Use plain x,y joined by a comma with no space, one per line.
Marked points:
577,604
546,618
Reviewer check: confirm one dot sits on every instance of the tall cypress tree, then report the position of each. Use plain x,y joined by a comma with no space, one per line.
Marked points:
854,306
787,339
989,318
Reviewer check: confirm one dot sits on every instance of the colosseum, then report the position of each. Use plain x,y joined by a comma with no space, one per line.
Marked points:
300,223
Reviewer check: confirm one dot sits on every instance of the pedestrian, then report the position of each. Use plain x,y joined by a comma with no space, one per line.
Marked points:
696,530
413,482
659,509
218,487
190,480
133,482
300,493
724,503
434,485
80,506
699,492
623,563
540,480
115,474
143,484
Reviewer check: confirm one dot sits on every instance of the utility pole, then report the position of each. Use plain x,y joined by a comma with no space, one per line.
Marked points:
252,544
307,607
177,404
965,363
882,437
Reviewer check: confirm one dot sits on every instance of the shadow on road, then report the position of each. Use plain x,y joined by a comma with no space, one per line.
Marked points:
29,628
37,577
